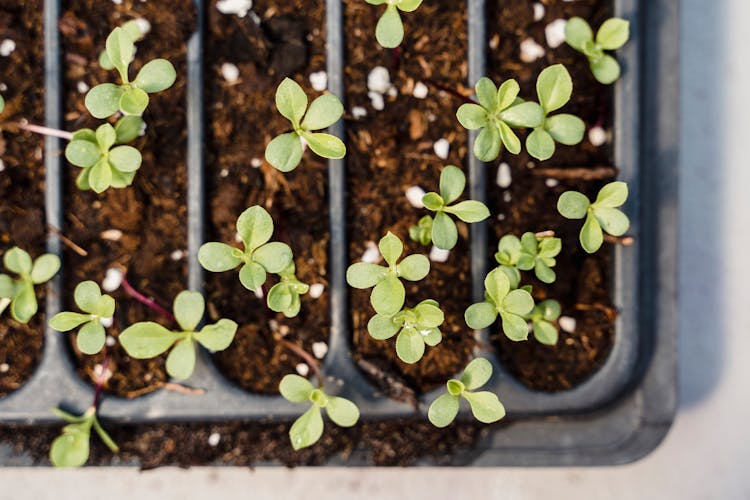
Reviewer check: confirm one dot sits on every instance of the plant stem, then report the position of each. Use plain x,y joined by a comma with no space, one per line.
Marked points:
305,356
583,173
100,380
150,303
38,129
625,240
452,92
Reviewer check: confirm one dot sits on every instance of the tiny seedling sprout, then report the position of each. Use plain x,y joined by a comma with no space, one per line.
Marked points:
308,428
284,152
2,104
98,308
388,296
416,328
500,299
284,295
601,215
485,405
19,293
542,319
422,231
71,448
260,256
390,29
148,339
530,252
612,35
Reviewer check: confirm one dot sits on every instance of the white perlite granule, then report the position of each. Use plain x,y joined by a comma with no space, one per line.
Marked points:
319,349
379,80
567,323
414,194
504,178
420,90
112,279
438,254
237,7
316,290
554,32
442,148
7,47
230,72
319,80
531,51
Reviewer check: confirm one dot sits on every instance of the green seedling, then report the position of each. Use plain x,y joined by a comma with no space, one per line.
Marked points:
500,299
422,231
542,319
284,152
148,339
105,161
602,215
444,233
284,295
71,448
308,428
498,112
390,30
2,104
133,30
260,256
554,88
416,328
19,292
130,97
485,405
388,296
530,252
612,35
98,308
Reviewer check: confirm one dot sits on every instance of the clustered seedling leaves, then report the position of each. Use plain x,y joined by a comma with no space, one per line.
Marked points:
20,291
542,319
148,339
130,97
308,428
131,28
485,405
71,448
529,252
260,256
284,295
444,233
612,35
388,296
416,328
422,231
512,305
103,165
554,88
284,152
98,308
602,215
390,29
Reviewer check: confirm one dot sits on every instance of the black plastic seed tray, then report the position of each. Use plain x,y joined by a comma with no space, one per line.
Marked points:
618,415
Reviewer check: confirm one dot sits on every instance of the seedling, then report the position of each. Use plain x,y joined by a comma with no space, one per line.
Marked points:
444,233
511,305
71,448
485,405
542,319
416,328
2,104
388,296
498,111
103,165
148,339
422,232
308,428
390,30
99,309
284,296
602,215
130,97
530,252
19,293
284,152
131,28
612,35
260,256
554,88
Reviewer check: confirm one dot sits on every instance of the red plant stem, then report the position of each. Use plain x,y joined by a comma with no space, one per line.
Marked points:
100,381
395,59
150,303
38,129
451,91
305,356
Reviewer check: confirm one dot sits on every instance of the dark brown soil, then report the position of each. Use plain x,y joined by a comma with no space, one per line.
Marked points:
583,281
22,220
151,214
289,41
392,150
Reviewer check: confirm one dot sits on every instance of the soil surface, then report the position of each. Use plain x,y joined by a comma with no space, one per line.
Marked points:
22,218
150,216
288,39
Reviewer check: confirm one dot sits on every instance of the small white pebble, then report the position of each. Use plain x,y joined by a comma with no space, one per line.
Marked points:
110,341
438,254
500,216
143,25
302,369
4,367
551,182
376,100
507,196
238,237
597,136
316,290
531,51
319,349
7,47
259,292
414,194
442,147
112,279
392,92
111,235
539,11
554,32
213,439
82,87
420,90
100,374
567,323
379,80
230,72
2,166
3,87
319,80
117,2
359,112
256,162
224,172
106,322
177,255
372,254
237,7
503,175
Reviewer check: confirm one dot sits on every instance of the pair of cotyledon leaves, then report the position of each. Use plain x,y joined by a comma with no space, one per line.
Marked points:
98,307
20,291
71,448
612,35
529,252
